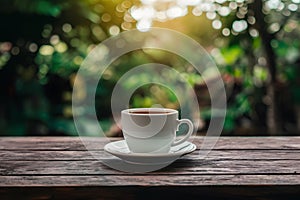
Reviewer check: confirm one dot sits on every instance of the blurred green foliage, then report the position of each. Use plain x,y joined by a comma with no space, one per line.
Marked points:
43,43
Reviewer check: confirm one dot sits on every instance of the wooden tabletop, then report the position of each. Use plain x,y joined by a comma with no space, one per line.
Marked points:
237,168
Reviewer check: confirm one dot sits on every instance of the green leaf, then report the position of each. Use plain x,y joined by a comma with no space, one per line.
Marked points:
229,123
231,54
44,7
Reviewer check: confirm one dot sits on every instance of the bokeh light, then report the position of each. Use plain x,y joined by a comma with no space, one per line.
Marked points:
44,46
46,50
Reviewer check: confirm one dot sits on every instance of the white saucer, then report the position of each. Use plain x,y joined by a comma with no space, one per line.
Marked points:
121,150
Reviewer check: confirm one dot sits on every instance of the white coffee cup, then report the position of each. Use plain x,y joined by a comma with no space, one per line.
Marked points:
152,130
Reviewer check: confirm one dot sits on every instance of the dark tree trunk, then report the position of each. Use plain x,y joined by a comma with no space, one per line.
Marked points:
273,117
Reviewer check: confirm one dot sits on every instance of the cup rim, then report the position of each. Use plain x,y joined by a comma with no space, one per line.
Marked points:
168,111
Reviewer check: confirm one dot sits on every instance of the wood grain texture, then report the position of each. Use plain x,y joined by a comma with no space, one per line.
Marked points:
148,180
97,143
45,155
237,167
181,166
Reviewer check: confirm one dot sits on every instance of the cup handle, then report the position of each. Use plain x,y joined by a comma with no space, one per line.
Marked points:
189,133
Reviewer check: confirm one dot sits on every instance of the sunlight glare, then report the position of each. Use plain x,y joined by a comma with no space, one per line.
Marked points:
142,13
176,11
217,24
239,26
224,11
144,25
188,2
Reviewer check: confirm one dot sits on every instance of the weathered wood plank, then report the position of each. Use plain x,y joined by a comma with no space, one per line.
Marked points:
59,168
27,155
138,180
181,166
75,143
47,155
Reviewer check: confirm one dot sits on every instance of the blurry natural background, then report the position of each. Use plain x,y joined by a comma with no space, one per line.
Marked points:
254,43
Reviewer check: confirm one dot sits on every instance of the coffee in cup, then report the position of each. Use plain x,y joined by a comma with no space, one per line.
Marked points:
152,130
